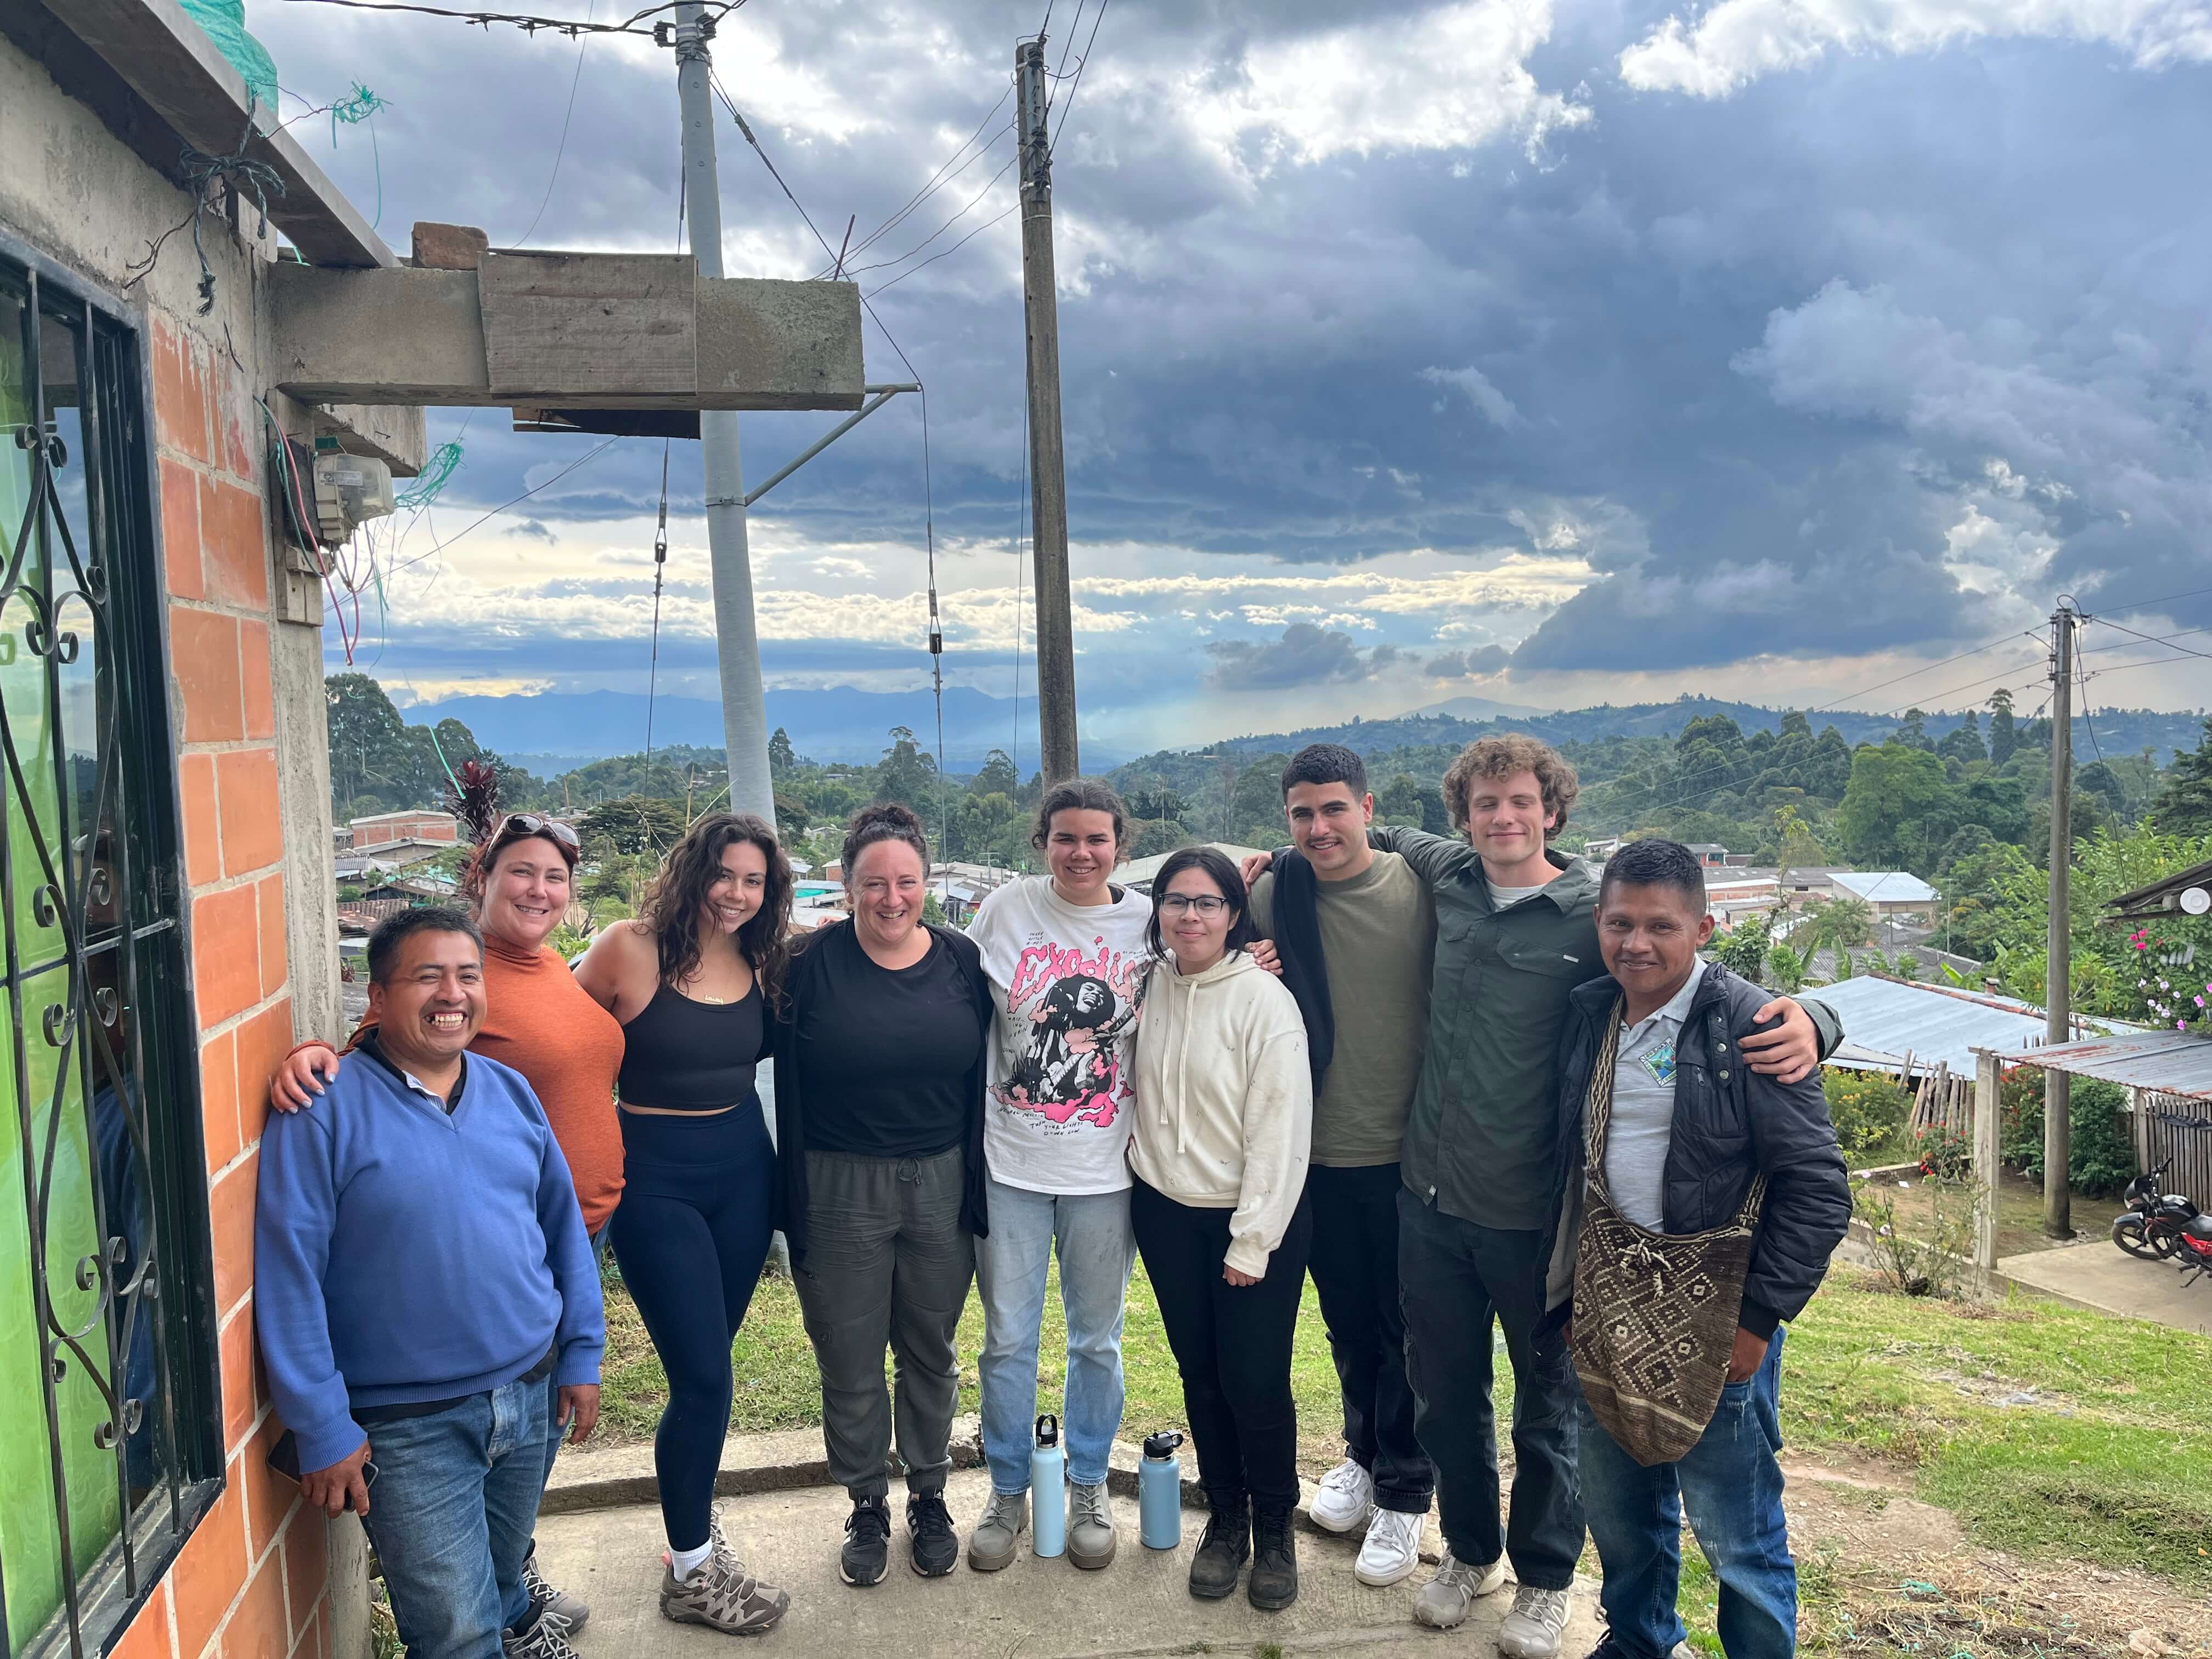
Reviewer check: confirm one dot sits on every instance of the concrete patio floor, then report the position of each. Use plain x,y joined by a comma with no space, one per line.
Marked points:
1037,1608
2097,1274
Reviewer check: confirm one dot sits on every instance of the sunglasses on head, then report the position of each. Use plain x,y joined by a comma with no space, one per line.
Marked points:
517,825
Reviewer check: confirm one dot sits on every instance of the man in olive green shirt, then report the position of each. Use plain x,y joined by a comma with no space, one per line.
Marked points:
1515,935
1370,921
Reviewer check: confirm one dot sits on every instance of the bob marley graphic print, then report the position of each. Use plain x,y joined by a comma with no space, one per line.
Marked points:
1067,982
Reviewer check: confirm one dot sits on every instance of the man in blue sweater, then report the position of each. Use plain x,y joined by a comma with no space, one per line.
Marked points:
426,1300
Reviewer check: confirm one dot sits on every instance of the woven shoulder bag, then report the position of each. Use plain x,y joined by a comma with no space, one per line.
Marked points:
1654,1313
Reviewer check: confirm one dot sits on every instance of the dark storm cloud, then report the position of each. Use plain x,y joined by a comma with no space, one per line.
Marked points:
1483,659
1305,655
1755,360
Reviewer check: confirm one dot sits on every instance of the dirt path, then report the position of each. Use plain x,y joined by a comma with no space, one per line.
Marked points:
1883,1573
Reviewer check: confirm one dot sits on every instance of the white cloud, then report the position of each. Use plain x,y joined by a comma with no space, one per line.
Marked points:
1735,42
1493,404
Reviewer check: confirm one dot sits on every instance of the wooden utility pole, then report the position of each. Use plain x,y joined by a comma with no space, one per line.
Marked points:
1055,626
2058,1086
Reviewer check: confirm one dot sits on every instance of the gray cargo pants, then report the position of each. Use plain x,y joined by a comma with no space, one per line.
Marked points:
887,1264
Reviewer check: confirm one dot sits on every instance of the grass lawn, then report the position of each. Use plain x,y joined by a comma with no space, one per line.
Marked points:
2109,1460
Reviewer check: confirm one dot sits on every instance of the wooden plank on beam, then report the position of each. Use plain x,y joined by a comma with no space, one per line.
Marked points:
579,323
168,61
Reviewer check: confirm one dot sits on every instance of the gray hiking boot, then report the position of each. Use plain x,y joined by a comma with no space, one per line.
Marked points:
992,1544
1091,1538
1446,1600
722,1596
1533,1629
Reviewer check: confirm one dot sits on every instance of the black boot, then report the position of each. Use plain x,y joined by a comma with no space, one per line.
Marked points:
1224,1550
1274,1560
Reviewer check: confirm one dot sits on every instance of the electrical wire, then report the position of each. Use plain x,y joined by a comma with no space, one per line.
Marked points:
954,248
449,541
1081,64
583,43
931,185
886,264
659,565
528,22
1853,696
2186,651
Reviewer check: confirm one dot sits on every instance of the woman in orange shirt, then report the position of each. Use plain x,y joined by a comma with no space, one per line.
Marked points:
536,1019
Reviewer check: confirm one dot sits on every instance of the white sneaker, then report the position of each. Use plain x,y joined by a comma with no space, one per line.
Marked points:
1532,1629
1443,1601
1345,1500
1393,1548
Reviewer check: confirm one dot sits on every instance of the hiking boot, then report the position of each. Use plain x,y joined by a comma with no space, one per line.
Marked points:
571,1610
867,1542
1345,1500
1006,1518
544,1638
1443,1601
1274,1583
933,1548
1091,1537
1393,1549
721,1595
1532,1629
1223,1550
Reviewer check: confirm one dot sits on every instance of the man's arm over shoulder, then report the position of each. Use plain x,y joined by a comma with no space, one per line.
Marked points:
1435,859
1807,1208
1263,905
294,1213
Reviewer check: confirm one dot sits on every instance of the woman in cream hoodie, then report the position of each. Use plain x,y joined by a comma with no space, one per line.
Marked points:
1224,1120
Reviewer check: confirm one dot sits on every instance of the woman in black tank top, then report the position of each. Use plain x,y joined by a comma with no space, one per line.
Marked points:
694,981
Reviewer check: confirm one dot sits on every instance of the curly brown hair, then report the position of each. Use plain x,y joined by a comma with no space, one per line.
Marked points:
1501,758
678,894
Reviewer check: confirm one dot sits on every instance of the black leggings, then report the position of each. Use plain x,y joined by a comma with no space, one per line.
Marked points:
1231,1343
690,1235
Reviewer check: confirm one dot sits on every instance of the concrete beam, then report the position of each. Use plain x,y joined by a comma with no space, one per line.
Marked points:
169,62
407,336
394,433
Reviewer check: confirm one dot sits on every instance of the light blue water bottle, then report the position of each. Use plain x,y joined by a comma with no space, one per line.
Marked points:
1159,1492
1047,1489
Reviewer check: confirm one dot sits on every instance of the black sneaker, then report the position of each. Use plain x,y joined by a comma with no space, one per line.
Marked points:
933,1546
867,1542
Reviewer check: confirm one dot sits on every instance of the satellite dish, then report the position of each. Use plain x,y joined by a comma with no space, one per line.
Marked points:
2195,900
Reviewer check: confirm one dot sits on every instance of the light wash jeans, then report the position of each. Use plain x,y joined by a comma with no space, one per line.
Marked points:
451,1514
1096,1250
1731,1486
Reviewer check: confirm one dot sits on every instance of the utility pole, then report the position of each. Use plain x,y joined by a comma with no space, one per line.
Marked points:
745,709
1055,626
2057,1087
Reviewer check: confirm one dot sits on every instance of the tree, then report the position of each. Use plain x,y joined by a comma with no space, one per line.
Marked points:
1844,921
1964,741
634,824
2185,806
2003,738
780,759
1898,798
1742,950
1799,847
791,818
998,776
1912,731
2100,780
907,773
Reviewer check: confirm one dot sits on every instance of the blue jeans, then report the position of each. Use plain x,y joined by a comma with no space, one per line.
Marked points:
455,1498
1732,1487
1097,1249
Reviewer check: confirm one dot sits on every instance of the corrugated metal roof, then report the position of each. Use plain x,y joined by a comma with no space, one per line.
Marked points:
1885,886
1886,1019
2170,1062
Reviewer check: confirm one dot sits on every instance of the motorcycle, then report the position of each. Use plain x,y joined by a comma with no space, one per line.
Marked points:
2194,1246
2154,1223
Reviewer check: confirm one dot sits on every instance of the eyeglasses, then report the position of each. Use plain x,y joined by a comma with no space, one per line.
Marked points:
1206,904
517,825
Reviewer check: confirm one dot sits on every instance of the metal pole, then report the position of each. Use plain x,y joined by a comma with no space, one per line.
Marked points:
1055,626
2058,1086
745,708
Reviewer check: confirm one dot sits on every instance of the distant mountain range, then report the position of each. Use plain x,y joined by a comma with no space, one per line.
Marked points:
1481,709
550,731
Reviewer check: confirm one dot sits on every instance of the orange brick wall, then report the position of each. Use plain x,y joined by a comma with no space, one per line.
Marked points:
252,1582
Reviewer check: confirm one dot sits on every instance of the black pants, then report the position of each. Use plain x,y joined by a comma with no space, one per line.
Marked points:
1231,1343
1354,1265
1453,1277
690,1235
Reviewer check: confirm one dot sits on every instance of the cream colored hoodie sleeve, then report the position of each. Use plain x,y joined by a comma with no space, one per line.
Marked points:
1278,1128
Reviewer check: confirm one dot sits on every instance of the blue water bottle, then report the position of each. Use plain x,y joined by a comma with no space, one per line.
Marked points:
1048,1489
1159,1492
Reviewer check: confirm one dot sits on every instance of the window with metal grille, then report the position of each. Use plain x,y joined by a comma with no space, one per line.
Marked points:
111,1440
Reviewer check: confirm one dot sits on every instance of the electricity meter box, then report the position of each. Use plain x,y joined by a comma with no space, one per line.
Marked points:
350,490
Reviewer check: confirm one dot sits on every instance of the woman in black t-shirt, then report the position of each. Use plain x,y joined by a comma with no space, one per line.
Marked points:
879,1078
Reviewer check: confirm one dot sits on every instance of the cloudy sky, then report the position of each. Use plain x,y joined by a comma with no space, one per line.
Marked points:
1543,352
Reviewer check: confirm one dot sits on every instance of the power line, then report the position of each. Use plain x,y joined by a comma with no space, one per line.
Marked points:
2168,641
562,148
529,23
1081,64
1853,696
954,248
931,185
533,489
886,264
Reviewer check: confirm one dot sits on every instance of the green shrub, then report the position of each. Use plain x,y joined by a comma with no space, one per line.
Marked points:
2102,1157
1868,1109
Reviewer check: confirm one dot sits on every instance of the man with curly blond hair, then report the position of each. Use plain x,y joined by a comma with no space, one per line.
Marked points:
1515,935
